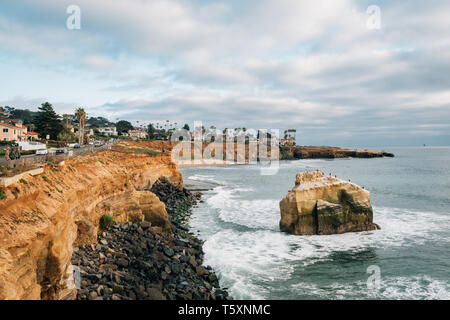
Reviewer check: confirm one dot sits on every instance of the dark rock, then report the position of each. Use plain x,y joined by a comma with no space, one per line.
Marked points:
122,262
192,261
169,252
117,289
93,295
116,297
201,271
132,295
135,261
145,225
155,294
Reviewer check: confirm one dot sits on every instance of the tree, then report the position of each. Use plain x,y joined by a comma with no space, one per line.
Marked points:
97,122
124,126
66,136
24,114
81,116
151,131
186,127
66,118
31,127
47,121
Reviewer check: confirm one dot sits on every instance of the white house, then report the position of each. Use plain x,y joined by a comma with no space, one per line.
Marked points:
135,134
32,145
108,131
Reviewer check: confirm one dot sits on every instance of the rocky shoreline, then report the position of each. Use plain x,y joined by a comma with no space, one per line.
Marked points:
315,152
136,261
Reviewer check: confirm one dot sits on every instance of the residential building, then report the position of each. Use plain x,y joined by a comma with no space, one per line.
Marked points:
14,129
11,132
108,131
290,133
287,142
32,136
137,134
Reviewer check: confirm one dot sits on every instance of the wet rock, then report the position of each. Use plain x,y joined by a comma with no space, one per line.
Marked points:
169,252
201,271
139,261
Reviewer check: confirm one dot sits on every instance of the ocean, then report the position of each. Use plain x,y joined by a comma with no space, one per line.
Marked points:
410,194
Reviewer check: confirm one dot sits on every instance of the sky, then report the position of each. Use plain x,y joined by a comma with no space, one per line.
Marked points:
316,66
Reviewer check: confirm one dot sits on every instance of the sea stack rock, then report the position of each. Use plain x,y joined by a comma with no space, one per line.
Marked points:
322,205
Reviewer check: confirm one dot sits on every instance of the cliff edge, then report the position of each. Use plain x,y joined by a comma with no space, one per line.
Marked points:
319,205
43,217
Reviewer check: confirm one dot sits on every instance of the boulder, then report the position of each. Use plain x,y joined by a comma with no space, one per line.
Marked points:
319,205
153,209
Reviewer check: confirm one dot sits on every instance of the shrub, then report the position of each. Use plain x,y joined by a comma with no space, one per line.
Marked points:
2,196
27,152
23,181
106,221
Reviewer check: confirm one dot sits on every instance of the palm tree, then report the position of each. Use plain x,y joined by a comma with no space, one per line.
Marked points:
81,116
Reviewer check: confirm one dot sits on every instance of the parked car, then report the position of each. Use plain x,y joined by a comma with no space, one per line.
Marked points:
76,146
41,151
61,150
97,143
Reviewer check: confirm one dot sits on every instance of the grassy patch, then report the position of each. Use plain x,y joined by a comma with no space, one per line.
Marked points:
106,221
136,151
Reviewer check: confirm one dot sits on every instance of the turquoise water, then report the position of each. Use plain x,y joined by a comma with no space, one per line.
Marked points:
410,195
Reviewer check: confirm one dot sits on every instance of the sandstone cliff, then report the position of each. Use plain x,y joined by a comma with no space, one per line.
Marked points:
42,217
325,205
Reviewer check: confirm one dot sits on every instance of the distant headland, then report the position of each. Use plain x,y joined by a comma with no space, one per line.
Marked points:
317,152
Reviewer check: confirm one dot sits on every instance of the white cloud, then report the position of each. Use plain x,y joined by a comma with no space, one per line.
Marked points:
289,62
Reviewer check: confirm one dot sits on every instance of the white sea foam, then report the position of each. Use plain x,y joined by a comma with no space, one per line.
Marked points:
248,261
206,178
250,213
392,288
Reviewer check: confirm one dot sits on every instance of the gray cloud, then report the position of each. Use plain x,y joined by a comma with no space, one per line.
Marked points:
312,65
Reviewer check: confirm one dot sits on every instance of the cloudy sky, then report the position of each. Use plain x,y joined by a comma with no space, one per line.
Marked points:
310,65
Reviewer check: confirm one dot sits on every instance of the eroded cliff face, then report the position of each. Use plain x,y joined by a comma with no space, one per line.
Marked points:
325,205
43,217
